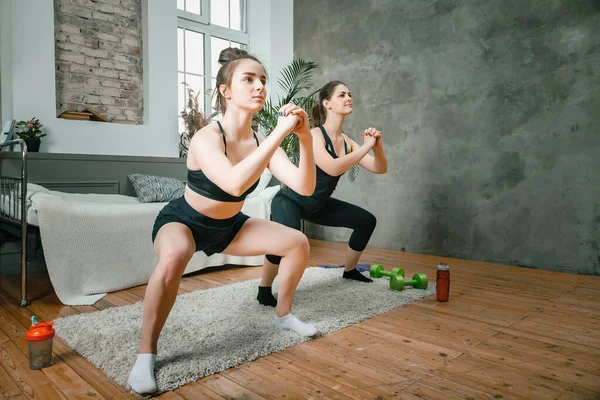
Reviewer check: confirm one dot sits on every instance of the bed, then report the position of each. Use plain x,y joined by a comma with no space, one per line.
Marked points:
96,243
13,213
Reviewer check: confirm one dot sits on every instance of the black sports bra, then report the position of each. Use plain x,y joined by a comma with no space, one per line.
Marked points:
199,182
326,183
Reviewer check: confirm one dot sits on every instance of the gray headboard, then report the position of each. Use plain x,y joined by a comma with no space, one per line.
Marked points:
87,173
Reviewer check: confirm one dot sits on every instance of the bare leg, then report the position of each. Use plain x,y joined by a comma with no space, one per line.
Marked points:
174,246
291,269
269,272
266,237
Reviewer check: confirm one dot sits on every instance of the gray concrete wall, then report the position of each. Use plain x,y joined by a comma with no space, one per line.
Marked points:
491,117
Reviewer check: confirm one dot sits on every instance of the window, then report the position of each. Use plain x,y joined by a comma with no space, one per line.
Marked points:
204,28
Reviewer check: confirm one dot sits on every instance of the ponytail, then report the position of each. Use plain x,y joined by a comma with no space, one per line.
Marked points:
318,112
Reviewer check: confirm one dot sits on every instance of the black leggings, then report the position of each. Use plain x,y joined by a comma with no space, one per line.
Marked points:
289,212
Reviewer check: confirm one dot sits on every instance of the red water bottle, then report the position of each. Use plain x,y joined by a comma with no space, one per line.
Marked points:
442,282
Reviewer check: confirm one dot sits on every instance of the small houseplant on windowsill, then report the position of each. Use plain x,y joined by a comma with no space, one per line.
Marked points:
31,132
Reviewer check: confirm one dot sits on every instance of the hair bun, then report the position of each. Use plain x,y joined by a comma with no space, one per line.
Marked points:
231,54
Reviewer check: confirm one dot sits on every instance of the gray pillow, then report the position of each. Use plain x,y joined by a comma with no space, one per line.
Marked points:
152,188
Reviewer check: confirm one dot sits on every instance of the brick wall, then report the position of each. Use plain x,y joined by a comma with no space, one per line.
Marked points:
99,57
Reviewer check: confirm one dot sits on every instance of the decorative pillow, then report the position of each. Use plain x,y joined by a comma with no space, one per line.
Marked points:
152,188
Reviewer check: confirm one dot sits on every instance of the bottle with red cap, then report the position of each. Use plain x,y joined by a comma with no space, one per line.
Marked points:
39,337
442,282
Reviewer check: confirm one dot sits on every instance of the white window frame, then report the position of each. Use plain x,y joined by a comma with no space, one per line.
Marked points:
204,16
201,24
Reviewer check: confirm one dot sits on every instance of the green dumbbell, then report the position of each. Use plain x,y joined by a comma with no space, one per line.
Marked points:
377,271
418,281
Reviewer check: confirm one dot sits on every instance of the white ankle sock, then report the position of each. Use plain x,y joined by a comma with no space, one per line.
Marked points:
141,378
294,324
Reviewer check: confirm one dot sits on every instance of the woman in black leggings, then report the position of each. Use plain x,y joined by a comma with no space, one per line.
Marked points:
335,153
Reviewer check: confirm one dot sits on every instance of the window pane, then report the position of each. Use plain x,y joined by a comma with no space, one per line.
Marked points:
181,125
193,6
182,100
197,85
194,52
219,12
180,4
180,52
236,17
216,45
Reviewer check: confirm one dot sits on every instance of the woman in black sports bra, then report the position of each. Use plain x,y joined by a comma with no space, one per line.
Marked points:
225,161
335,153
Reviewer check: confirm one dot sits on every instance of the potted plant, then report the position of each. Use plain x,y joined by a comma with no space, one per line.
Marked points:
295,84
31,132
193,119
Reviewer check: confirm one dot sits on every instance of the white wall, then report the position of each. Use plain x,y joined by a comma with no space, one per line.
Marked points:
33,81
282,39
5,63
271,31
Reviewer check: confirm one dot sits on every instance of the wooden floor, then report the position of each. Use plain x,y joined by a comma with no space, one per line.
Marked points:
507,333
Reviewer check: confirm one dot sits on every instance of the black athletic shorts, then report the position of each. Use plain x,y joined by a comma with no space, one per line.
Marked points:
211,235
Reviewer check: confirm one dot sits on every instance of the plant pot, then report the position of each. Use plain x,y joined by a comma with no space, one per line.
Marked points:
33,145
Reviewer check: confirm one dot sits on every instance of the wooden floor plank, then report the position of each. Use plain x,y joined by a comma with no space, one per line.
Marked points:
262,385
555,335
67,380
170,396
197,391
504,381
317,385
294,385
558,376
347,379
219,384
33,383
530,347
438,387
79,372
127,296
95,377
498,337
8,387
116,301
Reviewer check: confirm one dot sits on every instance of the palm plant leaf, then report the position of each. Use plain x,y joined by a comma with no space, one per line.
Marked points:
295,78
353,173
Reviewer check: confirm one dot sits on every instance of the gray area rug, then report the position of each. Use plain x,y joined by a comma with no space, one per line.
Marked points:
211,330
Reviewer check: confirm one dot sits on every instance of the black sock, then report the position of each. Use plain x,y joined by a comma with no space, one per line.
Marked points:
265,296
356,275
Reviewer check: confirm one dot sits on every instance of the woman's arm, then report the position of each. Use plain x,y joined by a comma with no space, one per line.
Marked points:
301,179
337,166
377,164
207,151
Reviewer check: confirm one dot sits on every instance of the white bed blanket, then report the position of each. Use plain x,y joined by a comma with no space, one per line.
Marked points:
98,244
10,209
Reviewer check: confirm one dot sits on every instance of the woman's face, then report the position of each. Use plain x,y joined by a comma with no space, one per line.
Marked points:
340,102
247,90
